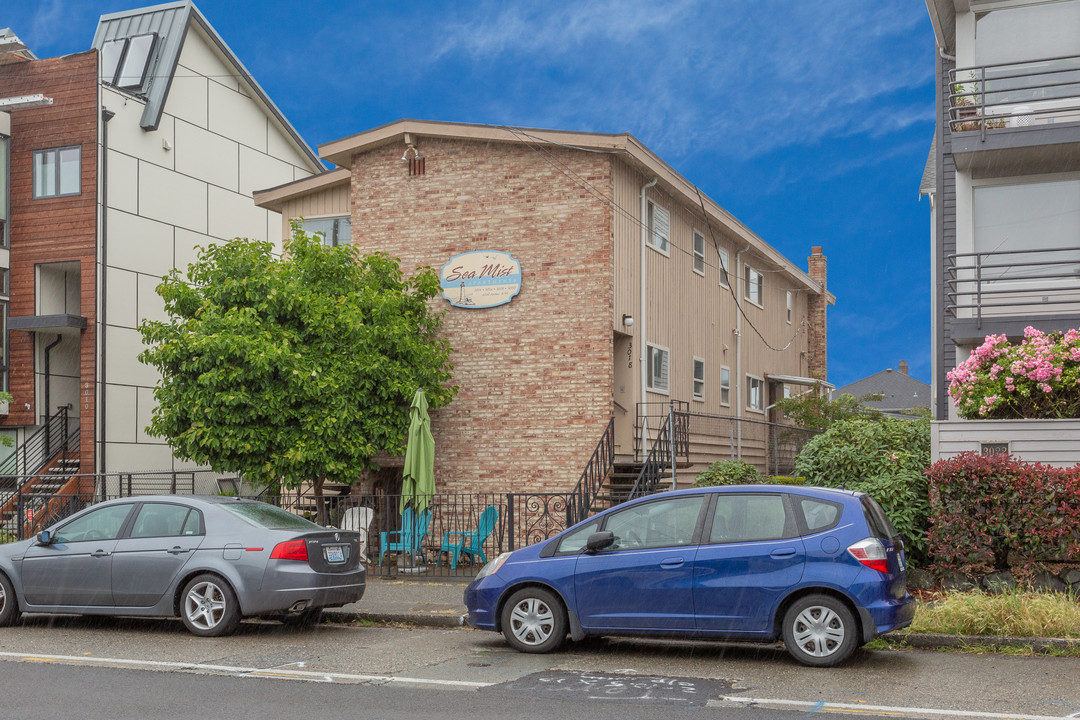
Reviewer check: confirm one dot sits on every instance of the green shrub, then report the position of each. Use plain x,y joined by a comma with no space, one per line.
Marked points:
6,537
988,507
729,472
884,458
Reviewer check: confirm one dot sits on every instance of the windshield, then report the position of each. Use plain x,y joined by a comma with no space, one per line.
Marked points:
268,516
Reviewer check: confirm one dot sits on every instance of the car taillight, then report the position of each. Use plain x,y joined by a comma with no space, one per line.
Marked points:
290,550
871,553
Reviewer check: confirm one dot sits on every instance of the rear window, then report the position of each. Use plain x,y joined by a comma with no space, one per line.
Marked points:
819,515
267,516
877,520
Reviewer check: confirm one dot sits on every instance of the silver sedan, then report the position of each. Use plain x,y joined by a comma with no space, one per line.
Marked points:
209,560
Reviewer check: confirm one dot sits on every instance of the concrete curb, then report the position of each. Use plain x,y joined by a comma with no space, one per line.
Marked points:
930,640
454,620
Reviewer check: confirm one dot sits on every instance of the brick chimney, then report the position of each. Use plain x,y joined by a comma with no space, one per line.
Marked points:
816,305
903,367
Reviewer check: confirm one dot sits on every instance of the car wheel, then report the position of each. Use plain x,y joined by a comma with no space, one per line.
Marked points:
9,604
820,631
533,621
306,618
208,607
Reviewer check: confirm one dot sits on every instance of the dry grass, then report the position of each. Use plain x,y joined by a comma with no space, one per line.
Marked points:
1012,614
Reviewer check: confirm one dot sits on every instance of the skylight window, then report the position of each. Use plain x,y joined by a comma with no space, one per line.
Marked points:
125,61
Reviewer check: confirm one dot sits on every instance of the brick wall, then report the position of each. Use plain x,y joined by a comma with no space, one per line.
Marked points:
535,375
816,307
53,229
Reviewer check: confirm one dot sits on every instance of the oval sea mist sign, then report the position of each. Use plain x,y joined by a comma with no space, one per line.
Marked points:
481,279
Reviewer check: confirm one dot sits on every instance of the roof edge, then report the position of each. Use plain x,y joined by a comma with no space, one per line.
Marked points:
274,198
340,153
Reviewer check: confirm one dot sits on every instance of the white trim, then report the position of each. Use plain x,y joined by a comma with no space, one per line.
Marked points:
748,283
790,306
699,256
723,262
650,232
694,380
725,387
749,395
649,347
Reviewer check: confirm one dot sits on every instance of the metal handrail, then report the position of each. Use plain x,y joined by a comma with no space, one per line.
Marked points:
976,284
40,448
596,471
983,97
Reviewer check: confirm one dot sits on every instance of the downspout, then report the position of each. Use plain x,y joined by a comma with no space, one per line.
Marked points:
48,382
739,384
106,116
642,365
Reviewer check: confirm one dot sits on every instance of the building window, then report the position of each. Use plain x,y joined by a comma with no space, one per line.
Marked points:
124,61
699,379
57,172
4,345
725,386
1038,215
334,231
725,263
658,368
752,279
790,301
699,253
5,173
755,394
659,228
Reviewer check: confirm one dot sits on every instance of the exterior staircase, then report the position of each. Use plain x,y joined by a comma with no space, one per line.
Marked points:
38,483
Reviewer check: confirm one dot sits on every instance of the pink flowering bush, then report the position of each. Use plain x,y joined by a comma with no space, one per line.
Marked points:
1039,378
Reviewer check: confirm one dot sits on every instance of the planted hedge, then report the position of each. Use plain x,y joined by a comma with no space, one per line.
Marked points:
996,511
884,458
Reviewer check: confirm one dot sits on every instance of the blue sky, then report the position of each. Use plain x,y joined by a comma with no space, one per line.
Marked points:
808,121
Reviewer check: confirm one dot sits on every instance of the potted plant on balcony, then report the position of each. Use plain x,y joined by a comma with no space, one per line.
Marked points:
967,108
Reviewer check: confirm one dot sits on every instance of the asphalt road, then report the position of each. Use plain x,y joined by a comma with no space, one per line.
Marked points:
86,668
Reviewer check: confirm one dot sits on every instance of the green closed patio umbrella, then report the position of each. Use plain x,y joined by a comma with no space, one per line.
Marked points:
418,475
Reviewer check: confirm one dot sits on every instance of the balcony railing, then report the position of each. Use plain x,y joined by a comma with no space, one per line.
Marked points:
1013,282
1014,95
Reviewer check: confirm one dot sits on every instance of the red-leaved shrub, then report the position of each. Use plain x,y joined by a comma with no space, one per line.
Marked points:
982,508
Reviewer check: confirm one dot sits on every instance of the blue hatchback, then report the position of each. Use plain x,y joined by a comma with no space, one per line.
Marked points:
822,569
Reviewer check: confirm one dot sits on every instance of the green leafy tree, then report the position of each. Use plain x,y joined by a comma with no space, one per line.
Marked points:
814,410
295,368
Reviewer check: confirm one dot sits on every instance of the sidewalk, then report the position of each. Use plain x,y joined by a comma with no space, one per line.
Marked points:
437,602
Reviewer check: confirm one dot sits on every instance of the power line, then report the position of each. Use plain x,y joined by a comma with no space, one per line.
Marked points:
562,167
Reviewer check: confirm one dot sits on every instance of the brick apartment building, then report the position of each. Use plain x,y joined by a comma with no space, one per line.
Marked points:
576,334
139,150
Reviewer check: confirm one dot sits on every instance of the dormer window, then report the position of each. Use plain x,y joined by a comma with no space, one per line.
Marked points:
125,61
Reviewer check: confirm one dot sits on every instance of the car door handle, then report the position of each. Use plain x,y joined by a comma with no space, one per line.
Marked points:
178,550
672,563
782,553
100,553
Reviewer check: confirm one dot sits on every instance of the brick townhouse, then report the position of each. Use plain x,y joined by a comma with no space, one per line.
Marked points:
541,237
115,165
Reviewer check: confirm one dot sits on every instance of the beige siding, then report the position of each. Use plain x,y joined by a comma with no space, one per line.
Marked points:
693,315
331,201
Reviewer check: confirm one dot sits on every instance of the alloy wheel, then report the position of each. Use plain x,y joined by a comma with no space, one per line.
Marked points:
205,605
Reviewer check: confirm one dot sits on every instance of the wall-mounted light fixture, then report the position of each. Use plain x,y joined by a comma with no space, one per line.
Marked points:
628,320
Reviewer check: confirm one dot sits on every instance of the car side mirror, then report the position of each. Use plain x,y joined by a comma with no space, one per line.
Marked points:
599,540
44,538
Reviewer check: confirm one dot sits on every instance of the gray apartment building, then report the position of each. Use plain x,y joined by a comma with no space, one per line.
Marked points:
1003,177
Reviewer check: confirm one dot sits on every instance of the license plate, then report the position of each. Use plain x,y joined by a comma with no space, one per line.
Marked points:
335,554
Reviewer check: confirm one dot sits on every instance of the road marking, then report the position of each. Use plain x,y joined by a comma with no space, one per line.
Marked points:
244,671
818,706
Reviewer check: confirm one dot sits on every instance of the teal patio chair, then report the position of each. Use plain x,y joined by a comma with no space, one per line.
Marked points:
414,529
470,542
